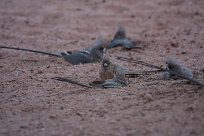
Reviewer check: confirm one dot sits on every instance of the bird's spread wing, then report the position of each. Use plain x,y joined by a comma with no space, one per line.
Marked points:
115,82
98,43
121,42
78,57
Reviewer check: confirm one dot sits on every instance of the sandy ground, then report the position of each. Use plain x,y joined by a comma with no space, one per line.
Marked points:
31,103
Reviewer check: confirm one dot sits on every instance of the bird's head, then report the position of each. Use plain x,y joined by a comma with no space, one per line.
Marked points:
172,63
97,49
106,61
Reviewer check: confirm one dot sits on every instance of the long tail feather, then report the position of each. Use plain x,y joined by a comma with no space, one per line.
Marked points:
29,50
162,69
134,74
71,81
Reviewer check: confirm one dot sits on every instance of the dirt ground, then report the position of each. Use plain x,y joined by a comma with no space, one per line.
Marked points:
31,103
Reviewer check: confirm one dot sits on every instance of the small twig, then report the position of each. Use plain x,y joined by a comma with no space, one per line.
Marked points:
162,69
71,81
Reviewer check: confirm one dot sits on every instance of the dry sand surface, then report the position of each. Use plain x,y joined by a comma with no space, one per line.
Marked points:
31,103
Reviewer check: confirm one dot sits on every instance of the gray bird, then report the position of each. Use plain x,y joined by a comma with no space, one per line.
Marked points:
175,66
174,70
87,55
120,39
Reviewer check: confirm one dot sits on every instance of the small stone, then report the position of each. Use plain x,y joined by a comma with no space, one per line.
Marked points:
132,16
175,45
23,127
190,108
52,116
148,97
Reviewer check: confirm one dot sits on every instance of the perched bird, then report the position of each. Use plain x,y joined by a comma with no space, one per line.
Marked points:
120,39
175,66
87,55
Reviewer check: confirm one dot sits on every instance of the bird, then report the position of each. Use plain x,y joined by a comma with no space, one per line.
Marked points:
173,70
175,66
111,75
87,55
109,69
120,39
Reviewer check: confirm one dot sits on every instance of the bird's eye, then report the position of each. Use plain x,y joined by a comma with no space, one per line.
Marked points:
170,67
105,64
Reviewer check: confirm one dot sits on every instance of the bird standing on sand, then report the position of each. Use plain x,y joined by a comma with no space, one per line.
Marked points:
108,69
112,75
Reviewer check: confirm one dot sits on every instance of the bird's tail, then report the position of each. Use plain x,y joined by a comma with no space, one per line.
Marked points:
71,81
29,50
136,74
162,69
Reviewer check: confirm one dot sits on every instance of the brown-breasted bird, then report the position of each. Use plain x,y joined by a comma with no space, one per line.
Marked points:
111,75
87,55
108,69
